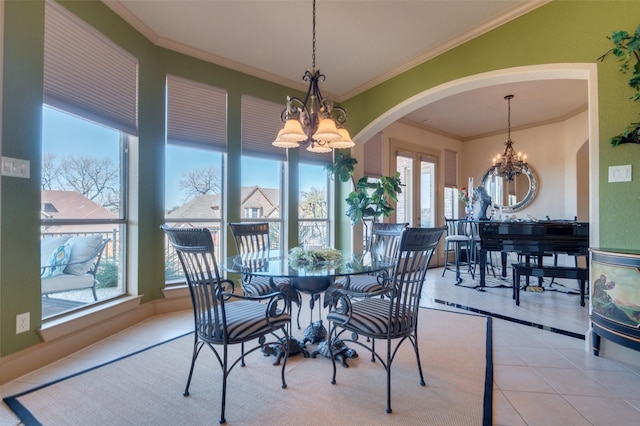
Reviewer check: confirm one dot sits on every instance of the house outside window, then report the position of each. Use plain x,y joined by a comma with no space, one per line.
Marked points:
313,208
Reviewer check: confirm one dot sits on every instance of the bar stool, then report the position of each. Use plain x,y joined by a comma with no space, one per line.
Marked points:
459,240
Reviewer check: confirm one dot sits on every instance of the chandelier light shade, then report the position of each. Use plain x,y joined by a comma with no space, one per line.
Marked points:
509,164
314,121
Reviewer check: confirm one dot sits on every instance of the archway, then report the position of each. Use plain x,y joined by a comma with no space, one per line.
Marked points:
580,71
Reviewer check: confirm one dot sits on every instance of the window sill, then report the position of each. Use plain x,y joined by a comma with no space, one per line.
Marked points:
85,319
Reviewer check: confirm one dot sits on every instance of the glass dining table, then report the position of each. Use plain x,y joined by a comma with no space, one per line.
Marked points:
306,277
312,278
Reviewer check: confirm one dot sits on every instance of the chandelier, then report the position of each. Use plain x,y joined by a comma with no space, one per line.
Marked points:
313,122
509,165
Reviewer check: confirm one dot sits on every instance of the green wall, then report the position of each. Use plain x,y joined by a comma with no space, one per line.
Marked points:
559,32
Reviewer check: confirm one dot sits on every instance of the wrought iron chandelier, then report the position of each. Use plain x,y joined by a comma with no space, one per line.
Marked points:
509,165
313,122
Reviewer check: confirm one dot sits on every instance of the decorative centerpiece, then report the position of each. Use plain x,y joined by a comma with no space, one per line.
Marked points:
468,199
299,257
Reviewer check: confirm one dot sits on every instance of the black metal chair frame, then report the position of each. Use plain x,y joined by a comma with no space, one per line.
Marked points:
384,244
394,316
222,318
252,238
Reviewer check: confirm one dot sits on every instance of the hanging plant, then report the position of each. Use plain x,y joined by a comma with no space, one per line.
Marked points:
626,48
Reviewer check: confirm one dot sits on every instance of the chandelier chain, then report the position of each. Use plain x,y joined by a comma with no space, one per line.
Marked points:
508,98
313,38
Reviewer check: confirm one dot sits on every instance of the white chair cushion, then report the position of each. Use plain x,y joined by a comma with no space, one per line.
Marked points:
81,249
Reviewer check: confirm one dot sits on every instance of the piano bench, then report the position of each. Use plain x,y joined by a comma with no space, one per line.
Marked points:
528,270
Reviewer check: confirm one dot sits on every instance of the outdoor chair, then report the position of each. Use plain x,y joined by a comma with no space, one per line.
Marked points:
222,318
394,317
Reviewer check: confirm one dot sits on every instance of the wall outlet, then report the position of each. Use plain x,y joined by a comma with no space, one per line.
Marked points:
23,322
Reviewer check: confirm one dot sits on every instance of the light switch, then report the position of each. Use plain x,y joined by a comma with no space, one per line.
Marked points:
620,173
15,167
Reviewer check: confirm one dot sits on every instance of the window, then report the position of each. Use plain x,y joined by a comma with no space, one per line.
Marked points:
262,165
450,203
83,193
252,212
313,217
90,118
262,194
194,172
450,184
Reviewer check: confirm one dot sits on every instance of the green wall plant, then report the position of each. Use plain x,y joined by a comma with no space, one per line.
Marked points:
626,47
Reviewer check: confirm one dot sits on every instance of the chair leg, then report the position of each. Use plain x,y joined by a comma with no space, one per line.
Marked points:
416,349
446,258
225,373
373,350
196,349
387,367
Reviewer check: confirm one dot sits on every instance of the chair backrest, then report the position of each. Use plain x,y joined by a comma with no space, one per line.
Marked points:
251,237
417,246
195,250
385,239
457,227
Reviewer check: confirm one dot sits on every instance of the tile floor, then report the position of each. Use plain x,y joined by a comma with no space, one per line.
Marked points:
541,377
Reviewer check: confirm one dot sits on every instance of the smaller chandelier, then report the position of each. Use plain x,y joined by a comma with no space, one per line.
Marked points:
313,122
509,165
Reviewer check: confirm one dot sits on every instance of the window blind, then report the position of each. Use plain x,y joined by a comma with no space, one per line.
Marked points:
86,74
260,125
196,114
450,168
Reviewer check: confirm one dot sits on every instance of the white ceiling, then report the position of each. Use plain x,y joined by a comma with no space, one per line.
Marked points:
359,43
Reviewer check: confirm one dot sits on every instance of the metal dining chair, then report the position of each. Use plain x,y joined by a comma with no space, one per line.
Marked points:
252,240
218,322
393,317
384,244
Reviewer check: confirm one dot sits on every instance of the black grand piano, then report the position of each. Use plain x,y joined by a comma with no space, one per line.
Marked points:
533,239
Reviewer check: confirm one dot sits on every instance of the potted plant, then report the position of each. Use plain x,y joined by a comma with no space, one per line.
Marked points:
626,47
370,198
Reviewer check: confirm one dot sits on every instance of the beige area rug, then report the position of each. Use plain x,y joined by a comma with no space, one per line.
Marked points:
146,388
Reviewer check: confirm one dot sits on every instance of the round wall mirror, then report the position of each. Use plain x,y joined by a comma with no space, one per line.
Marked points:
512,195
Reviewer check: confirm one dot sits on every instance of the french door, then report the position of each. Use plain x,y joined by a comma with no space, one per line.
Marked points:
416,204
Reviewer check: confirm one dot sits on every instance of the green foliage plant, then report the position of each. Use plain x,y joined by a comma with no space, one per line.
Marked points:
370,199
626,48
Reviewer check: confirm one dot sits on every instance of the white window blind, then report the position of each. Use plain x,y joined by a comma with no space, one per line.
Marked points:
260,126
196,114
450,168
86,74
